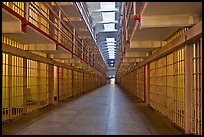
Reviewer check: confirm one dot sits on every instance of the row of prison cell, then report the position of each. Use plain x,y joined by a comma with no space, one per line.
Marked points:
50,18
161,84
31,80
27,84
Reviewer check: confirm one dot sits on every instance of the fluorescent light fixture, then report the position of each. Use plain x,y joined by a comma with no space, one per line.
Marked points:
111,61
111,64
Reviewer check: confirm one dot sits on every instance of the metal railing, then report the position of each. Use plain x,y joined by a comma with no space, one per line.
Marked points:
51,19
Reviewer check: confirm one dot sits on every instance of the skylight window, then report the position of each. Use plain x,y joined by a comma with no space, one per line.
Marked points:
109,27
107,5
110,39
111,49
111,57
108,16
111,54
110,43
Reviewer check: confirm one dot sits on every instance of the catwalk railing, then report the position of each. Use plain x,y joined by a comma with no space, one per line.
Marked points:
53,21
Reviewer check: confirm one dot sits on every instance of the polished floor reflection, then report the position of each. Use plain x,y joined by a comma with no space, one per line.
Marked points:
105,111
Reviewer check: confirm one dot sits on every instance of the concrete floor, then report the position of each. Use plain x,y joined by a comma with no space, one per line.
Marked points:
105,111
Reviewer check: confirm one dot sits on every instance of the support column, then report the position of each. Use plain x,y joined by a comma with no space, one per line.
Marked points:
83,82
188,88
136,79
58,81
144,83
73,41
82,50
51,84
201,83
27,5
38,85
24,85
148,84
73,87
10,85
26,15
93,61
155,86
60,26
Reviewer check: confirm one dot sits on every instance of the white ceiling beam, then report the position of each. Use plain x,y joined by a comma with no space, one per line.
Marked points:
137,54
169,20
146,44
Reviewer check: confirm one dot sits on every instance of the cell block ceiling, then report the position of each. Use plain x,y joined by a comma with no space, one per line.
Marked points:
106,20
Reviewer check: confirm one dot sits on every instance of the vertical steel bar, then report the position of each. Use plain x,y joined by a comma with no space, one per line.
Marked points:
60,27
73,84
200,131
156,87
73,42
148,83
24,85
82,50
27,9
83,82
144,83
58,84
134,8
38,85
51,83
10,85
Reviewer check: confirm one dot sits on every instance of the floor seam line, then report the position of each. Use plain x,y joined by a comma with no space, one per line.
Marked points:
108,114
